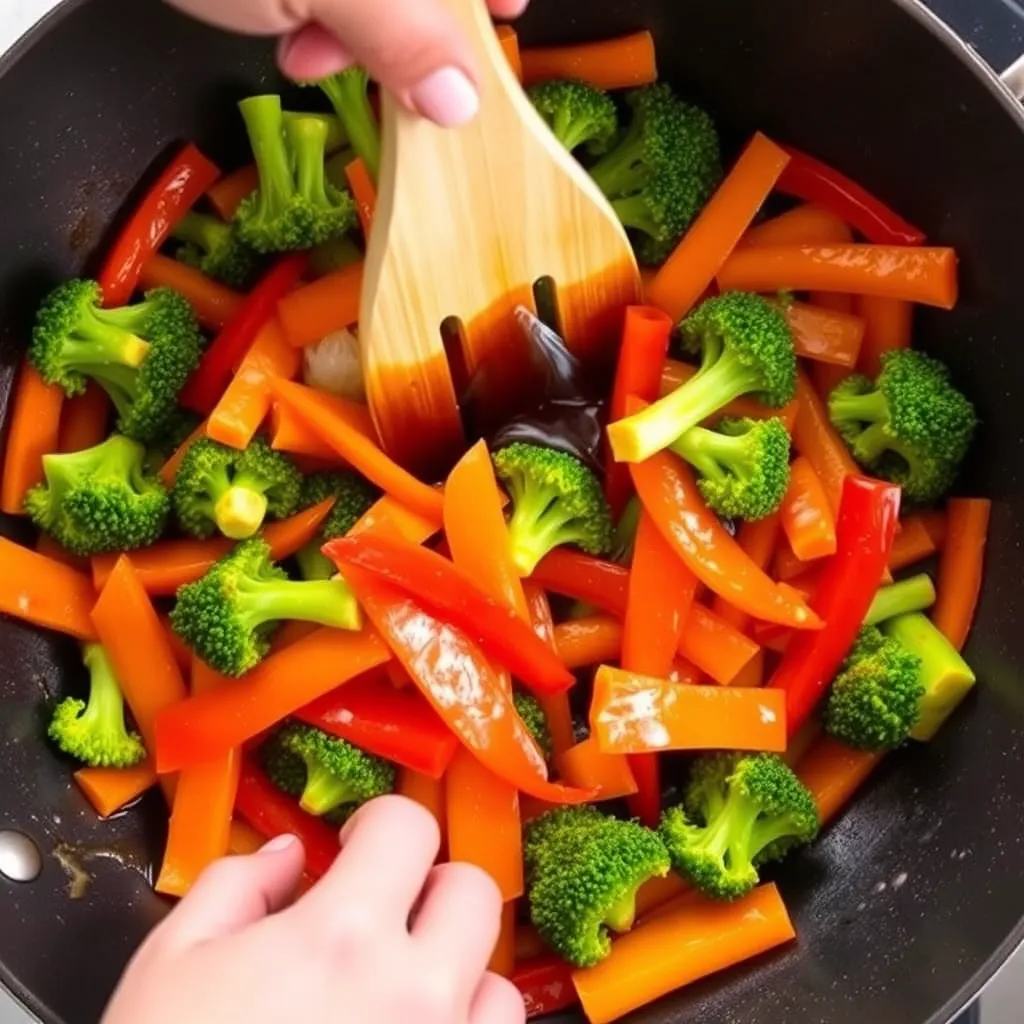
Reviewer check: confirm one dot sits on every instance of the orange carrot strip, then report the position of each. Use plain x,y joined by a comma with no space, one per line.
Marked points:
960,567
825,335
327,305
510,45
888,325
290,434
213,303
679,948
688,898
833,772
714,234
807,224
326,415
84,419
427,792
912,544
390,514
169,470
619,63
656,892
584,765
912,273
503,959
581,643
364,192
45,592
49,548
758,540
227,194
806,515
109,790
182,655
935,522
554,705
33,431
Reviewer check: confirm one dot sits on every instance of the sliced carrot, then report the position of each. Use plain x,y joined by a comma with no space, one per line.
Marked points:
326,415
679,948
510,45
586,766
45,592
169,470
911,273
164,567
33,431
110,790
227,194
327,305
182,655
888,326
427,792
825,335
960,568
364,192
588,641
620,63
290,434
758,539
49,548
935,522
806,224
715,233
503,959
806,514
84,419
833,772
213,303
912,544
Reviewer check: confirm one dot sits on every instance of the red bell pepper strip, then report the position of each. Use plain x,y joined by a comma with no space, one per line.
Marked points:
446,591
466,691
173,194
815,182
868,513
212,376
398,725
273,814
545,985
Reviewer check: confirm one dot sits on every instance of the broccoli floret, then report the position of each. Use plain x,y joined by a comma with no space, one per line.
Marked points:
583,872
180,425
910,595
662,171
740,811
100,499
874,699
746,348
95,733
347,92
295,207
323,771
353,495
141,355
214,247
232,490
912,426
227,616
555,500
743,465
532,714
579,114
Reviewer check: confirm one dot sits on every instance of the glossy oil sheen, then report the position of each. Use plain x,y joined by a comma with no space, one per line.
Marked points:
910,899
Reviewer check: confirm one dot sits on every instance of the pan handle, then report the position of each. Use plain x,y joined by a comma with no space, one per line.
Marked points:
1013,77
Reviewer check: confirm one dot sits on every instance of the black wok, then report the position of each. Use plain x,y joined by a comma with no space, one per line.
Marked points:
916,894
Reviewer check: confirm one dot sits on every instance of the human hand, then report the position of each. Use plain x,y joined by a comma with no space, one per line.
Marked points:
412,47
383,938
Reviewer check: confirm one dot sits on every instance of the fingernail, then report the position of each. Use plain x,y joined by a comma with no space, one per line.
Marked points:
278,844
447,97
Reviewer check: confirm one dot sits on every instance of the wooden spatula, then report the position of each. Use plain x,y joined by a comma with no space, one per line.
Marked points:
467,221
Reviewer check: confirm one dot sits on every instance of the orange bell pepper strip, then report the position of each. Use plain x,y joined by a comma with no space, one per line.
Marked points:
545,985
33,431
758,539
45,592
290,434
326,415
214,304
634,714
588,641
807,224
427,792
620,63
392,516
170,564
326,305
913,544
833,772
668,491
208,724
84,419
110,790
888,326
227,194
961,567
510,46
927,275
49,548
611,776
787,567
826,335
364,192
678,948
689,271
806,514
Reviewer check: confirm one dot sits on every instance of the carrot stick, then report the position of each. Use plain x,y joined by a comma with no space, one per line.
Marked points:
758,539
911,273
888,325
33,431
807,224
110,790
327,305
227,194
247,400
326,415
833,772
960,567
182,655
84,419
164,567
45,592
503,959
49,548
364,192
656,892
427,792
936,524
620,63
806,514
912,544
826,335
586,766
510,45
213,303
290,434
714,234
169,470
592,640
679,948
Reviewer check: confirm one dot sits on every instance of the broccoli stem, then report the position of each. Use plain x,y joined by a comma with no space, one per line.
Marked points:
348,95
106,339
324,791
910,595
105,710
264,122
239,512
538,525
622,915
313,563
621,171
208,233
709,450
635,212
327,602
307,138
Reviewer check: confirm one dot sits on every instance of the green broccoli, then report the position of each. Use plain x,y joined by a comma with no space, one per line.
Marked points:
214,247
555,500
179,427
353,495
740,811
295,207
227,617
583,872
326,773
335,140
347,92
100,499
910,426
95,733
910,595
141,355
579,114
529,710
746,348
662,171
232,490
743,465
874,699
